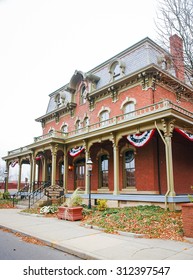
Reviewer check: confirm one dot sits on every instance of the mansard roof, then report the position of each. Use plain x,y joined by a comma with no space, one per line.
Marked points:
142,54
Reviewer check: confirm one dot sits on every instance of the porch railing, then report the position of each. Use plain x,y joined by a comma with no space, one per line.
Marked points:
145,111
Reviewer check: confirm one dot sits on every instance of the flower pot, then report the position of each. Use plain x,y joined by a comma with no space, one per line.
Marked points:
70,213
187,219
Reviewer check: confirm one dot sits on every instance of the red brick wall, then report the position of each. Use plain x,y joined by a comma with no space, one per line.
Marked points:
182,163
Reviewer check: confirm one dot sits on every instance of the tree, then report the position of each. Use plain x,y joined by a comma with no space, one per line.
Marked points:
176,17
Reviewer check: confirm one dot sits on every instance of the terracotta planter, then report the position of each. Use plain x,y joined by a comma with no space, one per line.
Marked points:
187,219
70,213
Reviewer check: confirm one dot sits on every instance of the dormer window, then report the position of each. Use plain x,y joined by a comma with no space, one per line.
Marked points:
116,69
83,94
116,72
57,100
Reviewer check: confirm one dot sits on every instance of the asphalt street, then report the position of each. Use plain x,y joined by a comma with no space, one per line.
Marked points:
13,247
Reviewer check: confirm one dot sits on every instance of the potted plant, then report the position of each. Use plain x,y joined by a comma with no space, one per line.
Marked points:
187,217
72,209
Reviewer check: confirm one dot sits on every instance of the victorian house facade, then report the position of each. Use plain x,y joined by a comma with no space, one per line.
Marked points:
133,116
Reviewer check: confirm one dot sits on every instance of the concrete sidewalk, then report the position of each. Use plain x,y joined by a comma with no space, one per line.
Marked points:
91,243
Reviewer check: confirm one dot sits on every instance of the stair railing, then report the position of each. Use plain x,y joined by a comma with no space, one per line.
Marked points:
37,194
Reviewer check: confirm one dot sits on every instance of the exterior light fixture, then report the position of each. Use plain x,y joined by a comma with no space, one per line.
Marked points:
89,167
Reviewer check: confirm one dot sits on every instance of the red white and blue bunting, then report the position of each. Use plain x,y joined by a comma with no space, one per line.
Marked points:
140,139
76,151
184,133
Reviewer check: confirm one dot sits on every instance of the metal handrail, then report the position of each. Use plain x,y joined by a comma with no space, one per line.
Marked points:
37,194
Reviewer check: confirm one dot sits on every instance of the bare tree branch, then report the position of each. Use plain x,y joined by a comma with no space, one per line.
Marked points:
176,17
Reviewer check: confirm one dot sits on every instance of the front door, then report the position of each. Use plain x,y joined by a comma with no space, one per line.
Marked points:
80,174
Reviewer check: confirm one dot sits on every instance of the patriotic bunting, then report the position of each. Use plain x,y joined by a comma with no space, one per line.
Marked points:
76,151
140,139
184,133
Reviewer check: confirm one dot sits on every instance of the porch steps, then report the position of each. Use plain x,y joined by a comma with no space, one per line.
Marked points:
24,204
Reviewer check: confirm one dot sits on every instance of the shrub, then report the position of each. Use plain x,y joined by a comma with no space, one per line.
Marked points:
6,195
49,209
101,204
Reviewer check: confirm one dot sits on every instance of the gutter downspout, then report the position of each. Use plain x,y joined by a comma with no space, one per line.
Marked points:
168,185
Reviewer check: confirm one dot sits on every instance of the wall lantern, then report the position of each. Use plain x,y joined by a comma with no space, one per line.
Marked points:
70,167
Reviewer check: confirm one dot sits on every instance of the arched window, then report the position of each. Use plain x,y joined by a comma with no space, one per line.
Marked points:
104,171
51,131
64,128
57,100
86,121
78,126
116,72
129,169
104,118
129,109
83,94
116,69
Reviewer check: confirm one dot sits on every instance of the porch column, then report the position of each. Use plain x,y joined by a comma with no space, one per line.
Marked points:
86,168
33,172
168,127
44,169
54,149
19,175
65,170
6,178
116,168
169,166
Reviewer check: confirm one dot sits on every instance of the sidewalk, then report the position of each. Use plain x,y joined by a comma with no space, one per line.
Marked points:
91,243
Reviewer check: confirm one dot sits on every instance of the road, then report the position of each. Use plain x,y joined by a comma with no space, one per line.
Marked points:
13,247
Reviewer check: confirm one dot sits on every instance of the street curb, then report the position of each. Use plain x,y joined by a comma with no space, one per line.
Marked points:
123,233
66,249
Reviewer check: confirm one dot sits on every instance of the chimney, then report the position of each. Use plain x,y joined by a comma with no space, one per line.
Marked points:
176,50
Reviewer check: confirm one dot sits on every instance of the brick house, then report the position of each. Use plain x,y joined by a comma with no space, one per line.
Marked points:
133,116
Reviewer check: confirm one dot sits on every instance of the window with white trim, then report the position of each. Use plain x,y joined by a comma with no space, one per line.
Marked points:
86,121
104,118
64,128
78,126
129,169
129,109
83,94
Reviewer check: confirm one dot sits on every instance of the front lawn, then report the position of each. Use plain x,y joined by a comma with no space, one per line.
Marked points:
153,221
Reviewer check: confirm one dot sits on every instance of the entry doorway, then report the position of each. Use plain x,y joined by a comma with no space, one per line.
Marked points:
80,173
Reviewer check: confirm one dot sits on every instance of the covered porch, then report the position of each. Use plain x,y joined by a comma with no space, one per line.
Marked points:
121,171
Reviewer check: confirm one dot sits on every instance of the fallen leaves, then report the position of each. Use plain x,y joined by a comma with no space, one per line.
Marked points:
151,221
25,238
